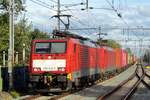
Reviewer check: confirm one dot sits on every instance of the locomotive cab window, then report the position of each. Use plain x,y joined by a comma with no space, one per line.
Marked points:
42,47
58,47
50,47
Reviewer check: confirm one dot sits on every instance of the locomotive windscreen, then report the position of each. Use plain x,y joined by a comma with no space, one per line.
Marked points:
58,47
50,47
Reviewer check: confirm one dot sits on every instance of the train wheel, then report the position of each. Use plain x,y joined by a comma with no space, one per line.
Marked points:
102,76
63,85
76,84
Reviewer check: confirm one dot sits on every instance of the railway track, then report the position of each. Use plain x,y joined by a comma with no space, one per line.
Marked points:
41,97
32,97
135,79
59,96
147,75
46,96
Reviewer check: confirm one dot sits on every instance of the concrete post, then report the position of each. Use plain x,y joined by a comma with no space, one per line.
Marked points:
11,40
4,59
16,60
23,54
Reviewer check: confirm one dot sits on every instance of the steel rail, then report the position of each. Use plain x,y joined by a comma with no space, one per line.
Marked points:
132,90
147,75
32,97
116,88
60,96
147,85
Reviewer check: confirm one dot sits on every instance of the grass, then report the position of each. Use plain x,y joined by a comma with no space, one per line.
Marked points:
147,66
1,84
15,94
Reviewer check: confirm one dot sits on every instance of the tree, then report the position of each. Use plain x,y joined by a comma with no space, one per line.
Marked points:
24,34
4,30
4,23
37,34
110,43
146,57
128,50
4,5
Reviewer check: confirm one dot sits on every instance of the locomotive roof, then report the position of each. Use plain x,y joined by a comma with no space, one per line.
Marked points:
65,35
82,40
68,34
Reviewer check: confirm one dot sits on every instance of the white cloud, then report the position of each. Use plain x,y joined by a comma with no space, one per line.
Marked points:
133,15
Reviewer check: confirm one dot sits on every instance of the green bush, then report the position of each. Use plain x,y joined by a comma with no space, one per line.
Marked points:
14,94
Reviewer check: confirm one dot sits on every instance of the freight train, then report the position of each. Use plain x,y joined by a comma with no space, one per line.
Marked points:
73,61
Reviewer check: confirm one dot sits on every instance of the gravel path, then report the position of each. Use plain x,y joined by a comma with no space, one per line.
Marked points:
5,96
100,89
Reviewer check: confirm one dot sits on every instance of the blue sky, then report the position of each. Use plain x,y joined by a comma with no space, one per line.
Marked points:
135,13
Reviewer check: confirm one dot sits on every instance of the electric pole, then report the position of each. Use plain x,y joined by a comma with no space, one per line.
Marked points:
100,33
11,43
58,14
87,4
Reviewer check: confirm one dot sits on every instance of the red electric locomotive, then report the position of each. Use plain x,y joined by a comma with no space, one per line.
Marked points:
60,64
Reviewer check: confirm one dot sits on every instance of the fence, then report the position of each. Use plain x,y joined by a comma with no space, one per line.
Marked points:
1,83
20,78
19,58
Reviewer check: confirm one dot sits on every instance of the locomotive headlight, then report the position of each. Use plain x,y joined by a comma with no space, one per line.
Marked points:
61,69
